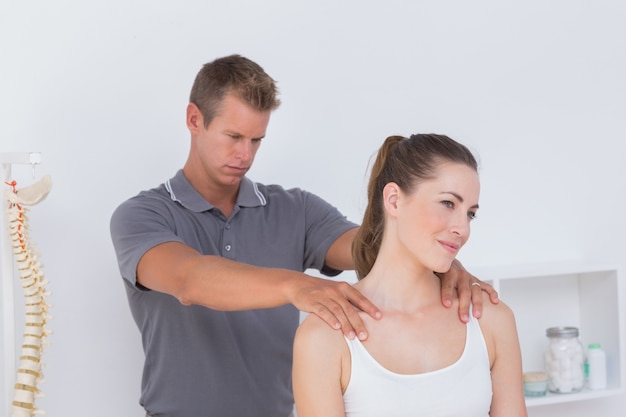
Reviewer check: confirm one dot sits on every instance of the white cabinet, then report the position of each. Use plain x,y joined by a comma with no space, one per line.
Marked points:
587,296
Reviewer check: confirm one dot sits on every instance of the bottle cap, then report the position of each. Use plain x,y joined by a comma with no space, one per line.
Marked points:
595,346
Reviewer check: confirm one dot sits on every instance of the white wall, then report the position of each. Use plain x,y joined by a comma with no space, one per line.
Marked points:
536,88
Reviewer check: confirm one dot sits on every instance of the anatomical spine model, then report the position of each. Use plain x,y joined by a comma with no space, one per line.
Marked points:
29,373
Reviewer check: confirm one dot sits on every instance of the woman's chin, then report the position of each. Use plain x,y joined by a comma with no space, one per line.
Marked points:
442,267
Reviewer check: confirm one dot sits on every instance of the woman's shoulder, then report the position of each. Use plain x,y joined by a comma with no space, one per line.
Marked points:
497,313
313,325
314,329
497,320
318,344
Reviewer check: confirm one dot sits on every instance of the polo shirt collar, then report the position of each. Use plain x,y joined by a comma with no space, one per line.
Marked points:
181,190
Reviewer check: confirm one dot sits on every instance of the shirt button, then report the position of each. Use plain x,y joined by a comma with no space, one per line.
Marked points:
228,248
227,226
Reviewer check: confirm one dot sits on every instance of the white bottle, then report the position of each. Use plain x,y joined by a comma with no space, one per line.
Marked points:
596,367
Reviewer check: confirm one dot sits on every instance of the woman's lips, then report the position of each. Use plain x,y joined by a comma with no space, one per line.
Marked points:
451,247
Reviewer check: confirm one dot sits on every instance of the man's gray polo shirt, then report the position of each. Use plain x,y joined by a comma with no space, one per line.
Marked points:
202,362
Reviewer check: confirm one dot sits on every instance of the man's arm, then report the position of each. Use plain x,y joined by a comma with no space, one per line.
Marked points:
222,284
339,255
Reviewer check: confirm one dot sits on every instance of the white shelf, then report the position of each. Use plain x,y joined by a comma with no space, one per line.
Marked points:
584,295
566,398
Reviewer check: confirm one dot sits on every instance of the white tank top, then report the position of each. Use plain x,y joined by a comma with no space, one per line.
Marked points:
462,389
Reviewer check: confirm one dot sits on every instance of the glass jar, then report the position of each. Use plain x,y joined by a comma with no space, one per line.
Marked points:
564,360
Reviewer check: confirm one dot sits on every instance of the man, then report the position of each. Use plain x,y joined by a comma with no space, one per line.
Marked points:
213,262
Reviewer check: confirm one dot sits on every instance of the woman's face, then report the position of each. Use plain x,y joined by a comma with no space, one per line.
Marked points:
434,220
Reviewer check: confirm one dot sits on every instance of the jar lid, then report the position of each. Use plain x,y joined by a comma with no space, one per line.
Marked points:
562,332
538,376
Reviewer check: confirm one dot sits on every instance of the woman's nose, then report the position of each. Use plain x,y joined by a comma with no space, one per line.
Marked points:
461,227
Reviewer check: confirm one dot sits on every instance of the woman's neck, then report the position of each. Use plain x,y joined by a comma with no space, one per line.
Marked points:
396,283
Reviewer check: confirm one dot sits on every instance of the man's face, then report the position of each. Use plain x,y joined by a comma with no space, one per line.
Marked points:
224,151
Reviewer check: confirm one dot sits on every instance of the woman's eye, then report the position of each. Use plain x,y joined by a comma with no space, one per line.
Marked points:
471,215
448,203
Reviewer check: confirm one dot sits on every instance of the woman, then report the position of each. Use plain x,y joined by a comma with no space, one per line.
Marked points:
419,359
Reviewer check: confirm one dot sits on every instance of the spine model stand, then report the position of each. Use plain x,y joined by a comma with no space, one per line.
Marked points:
29,373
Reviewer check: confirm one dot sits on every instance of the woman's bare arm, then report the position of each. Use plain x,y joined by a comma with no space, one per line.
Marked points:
320,356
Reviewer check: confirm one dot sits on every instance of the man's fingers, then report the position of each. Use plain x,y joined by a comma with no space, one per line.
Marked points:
448,293
332,314
465,296
458,282
477,299
493,294
359,302
341,310
338,304
362,303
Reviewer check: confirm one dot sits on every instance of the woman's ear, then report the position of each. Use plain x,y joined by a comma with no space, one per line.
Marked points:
391,194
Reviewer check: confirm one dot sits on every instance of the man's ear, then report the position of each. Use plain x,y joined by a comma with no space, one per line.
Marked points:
194,118
391,194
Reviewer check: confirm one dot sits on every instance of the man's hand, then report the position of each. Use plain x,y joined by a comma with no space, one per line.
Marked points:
458,282
337,303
